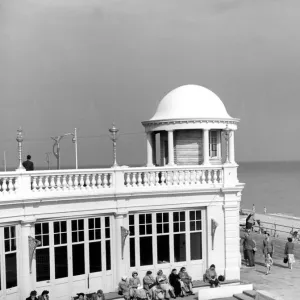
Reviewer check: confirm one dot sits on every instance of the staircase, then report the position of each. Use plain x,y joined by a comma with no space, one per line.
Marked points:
246,295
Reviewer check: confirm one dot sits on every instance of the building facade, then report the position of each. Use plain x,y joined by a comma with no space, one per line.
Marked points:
71,231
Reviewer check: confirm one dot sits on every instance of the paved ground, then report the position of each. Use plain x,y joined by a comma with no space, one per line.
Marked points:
281,281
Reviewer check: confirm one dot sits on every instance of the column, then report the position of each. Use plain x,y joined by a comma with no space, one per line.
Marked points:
154,148
26,279
149,149
206,147
231,148
171,147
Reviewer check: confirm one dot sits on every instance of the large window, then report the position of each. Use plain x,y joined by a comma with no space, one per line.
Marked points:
196,234
145,231
179,236
78,246
60,249
42,252
10,248
132,240
107,243
213,143
95,245
163,241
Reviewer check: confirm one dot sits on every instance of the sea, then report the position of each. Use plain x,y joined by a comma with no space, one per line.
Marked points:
274,185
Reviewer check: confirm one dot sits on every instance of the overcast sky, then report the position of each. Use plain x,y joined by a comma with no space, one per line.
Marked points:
87,63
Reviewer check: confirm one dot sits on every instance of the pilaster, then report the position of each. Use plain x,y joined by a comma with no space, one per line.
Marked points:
206,147
171,147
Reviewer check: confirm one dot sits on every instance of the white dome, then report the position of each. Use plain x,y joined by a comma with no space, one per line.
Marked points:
190,102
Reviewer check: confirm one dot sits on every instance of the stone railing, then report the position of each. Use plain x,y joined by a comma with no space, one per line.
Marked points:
47,184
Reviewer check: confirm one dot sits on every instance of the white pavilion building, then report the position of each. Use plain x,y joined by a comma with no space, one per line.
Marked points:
182,209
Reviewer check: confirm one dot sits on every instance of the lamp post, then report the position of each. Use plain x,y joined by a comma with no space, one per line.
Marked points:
20,140
227,134
56,147
114,136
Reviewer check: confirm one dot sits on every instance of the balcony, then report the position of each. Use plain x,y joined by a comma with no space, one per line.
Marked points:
113,181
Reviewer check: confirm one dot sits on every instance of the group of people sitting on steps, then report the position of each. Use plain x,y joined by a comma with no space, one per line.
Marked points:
156,288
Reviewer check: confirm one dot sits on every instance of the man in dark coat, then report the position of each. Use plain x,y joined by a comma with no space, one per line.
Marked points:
248,246
28,164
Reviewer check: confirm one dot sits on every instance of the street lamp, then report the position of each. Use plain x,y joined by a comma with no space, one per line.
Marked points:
114,136
56,148
227,134
20,140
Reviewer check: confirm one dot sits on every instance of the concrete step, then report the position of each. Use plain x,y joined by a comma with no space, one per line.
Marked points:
250,293
242,296
227,298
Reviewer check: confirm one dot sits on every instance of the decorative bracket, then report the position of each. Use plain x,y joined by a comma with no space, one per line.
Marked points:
214,226
32,243
124,234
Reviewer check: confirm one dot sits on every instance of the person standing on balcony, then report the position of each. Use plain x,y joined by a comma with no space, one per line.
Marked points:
28,164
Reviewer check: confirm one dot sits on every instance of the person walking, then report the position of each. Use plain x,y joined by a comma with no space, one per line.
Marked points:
249,245
268,245
28,164
289,253
250,221
269,263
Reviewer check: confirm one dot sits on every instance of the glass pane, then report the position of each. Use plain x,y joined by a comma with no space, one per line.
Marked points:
45,228
149,229
78,259
166,228
7,246
91,223
166,217
142,229
95,257
192,226
159,218
159,228
63,226
179,247
196,245
6,232
98,234
13,245
46,240
131,220
42,264
37,228
11,270
74,225
132,252
142,219
175,216
61,262
91,235
192,215
39,237
198,214
149,218
108,257
56,226
198,225
106,221
63,238
80,224
131,229
56,239
107,233
176,227
182,226
163,249
74,237
12,231
81,236
146,256
182,216
97,223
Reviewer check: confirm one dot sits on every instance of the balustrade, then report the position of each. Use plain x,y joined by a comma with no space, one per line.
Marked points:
8,185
